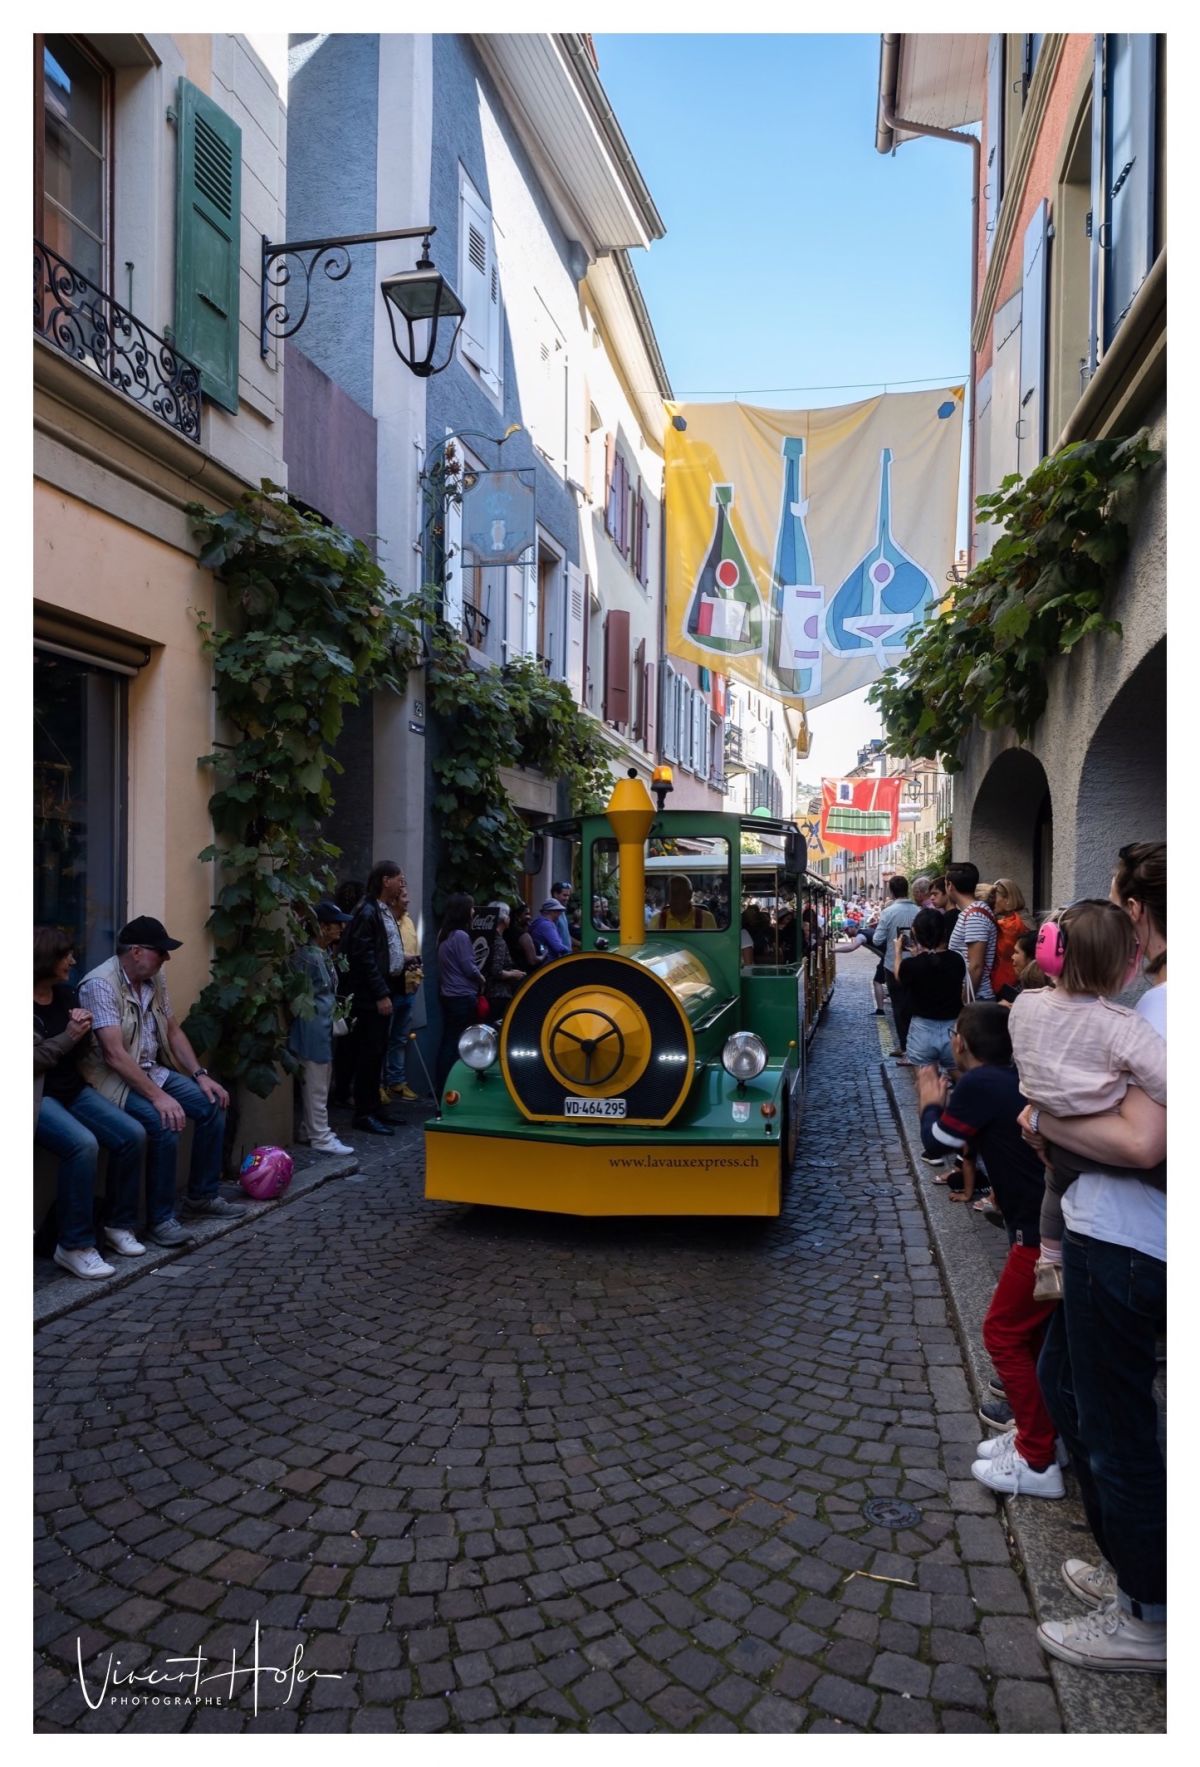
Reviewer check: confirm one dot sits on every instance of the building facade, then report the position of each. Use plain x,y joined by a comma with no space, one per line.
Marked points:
159,165
511,152
1069,344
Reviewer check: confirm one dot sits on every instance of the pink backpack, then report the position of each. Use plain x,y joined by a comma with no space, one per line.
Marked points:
266,1173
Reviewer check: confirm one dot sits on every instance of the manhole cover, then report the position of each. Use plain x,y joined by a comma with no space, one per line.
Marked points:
891,1512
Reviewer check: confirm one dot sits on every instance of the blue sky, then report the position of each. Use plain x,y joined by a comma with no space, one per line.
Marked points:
795,255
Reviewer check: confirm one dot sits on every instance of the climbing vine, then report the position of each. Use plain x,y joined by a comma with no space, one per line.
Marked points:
315,625
1042,588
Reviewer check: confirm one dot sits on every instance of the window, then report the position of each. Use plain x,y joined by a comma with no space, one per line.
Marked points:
72,156
550,584
670,722
617,502
641,537
1070,274
479,284
1124,177
687,884
78,802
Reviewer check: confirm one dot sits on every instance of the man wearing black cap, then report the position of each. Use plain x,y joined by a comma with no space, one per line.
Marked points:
141,1060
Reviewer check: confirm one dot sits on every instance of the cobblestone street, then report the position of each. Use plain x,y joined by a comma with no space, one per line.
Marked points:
510,1472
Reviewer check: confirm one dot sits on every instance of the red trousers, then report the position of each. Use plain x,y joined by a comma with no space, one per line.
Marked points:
1012,1333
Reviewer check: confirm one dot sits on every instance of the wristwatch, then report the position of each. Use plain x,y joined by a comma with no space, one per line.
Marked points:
1035,1117
199,1073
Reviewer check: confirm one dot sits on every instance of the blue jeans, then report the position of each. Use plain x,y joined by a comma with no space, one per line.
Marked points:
1096,1372
76,1134
929,1041
208,1143
395,1069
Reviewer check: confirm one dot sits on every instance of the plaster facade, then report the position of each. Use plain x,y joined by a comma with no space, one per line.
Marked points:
1055,363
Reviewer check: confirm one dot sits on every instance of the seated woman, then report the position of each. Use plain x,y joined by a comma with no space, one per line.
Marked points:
72,1120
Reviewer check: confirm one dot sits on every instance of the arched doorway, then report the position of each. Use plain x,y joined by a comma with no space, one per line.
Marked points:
1123,782
1012,826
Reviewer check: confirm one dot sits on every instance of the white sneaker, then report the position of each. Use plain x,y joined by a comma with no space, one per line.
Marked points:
333,1145
1011,1474
1108,1639
993,1445
123,1241
83,1260
1095,1584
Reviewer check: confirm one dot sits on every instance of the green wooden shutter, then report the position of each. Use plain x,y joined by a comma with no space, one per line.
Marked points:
208,241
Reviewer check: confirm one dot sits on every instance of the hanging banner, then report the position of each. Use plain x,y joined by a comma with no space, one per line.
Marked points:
860,814
804,548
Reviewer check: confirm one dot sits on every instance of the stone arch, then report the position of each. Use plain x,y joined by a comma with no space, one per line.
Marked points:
1012,826
1123,782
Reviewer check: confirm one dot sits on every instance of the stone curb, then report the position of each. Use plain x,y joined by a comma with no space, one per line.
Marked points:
1042,1533
68,1293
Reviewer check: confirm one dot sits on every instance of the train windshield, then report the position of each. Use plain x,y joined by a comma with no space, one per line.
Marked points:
687,885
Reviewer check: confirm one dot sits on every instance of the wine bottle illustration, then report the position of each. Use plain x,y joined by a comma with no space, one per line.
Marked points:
725,612
885,594
796,601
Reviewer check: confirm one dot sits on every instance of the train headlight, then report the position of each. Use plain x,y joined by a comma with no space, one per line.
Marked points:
478,1047
744,1056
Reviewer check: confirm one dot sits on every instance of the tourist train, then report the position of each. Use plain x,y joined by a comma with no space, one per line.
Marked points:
660,1069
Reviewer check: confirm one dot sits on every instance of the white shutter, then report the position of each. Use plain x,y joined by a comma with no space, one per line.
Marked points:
493,368
476,274
576,598
699,723
1006,390
670,746
514,621
530,575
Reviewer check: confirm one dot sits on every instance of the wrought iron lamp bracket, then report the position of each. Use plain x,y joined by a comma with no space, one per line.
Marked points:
285,262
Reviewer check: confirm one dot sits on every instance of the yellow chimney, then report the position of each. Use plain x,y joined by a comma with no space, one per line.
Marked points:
630,814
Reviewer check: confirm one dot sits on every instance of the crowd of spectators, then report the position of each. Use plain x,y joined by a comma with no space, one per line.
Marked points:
1048,1092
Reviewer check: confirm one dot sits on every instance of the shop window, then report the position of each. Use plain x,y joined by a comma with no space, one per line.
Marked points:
78,802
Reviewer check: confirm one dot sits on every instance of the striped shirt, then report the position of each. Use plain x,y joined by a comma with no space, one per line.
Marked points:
976,926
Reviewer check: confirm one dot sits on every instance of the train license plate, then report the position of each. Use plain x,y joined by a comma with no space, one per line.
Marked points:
594,1107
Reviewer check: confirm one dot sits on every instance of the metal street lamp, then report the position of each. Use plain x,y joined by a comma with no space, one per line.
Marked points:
422,297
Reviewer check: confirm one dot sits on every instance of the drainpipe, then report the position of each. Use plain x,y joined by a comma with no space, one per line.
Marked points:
885,142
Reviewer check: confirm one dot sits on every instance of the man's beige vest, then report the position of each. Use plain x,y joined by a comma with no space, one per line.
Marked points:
93,1067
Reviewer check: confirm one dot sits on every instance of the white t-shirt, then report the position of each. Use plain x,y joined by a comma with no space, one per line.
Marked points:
1123,1211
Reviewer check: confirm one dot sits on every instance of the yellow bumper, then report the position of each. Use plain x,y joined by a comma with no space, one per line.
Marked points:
630,1179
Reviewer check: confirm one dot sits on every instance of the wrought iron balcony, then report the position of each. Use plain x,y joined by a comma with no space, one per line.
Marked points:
734,750
80,320
475,625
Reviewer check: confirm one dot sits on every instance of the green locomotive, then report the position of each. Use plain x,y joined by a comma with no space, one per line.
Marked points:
660,1069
